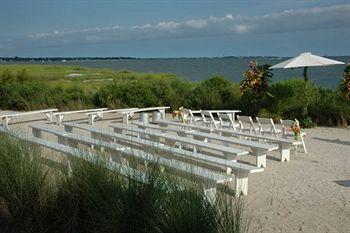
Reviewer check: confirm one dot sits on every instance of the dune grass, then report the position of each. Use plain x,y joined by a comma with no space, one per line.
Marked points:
92,198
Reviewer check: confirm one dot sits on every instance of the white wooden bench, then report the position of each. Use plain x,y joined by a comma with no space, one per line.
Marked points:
123,169
130,113
7,118
259,150
100,114
171,139
60,115
283,144
241,171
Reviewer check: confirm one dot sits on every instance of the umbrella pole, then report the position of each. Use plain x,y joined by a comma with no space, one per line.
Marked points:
307,99
305,74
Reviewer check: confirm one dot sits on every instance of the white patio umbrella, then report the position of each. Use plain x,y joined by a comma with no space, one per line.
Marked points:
305,60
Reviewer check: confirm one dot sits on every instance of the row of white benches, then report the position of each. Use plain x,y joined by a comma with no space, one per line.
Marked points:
156,138
53,115
202,166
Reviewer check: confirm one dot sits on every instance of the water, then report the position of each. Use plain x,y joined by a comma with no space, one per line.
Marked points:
197,69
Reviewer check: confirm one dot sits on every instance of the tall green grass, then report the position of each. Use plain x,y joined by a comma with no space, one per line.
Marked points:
93,198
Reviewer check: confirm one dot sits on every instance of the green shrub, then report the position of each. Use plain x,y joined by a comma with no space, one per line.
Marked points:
291,98
330,109
215,93
144,92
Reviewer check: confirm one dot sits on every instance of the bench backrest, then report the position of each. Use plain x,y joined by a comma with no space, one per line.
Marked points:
29,113
220,148
79,111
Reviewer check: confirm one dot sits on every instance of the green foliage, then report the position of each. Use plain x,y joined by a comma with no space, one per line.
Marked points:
144,92
92,198
37,87
24,187
344,85
215,93
257,79
330,109
290,97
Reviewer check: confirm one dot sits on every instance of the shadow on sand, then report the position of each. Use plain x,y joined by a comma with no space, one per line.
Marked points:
337,141
345,183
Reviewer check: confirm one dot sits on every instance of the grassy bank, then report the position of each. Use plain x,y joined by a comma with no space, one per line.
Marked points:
37,198
27,87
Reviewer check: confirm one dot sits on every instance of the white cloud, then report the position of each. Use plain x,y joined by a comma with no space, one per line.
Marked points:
288,21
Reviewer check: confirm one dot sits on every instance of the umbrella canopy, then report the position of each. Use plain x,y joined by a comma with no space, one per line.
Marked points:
305,60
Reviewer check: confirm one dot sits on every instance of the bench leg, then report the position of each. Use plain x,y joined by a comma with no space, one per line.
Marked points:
91,119
7,121
210,194
230,156
162,111
260,157
62,140
59,119
68,129
49,116
241,180
285,152
261,161
126,119
37,133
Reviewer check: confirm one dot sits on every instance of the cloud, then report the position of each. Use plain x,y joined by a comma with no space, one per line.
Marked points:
288,21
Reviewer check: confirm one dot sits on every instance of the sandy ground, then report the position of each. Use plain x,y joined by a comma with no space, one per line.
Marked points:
310,193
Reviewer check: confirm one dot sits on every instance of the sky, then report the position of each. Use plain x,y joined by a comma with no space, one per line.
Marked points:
177,28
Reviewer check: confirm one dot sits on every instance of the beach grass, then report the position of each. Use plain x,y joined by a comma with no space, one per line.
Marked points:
92,198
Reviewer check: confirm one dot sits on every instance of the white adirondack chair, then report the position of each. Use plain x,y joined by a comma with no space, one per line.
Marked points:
226,121
266,126
288,132
188,115
246,124
209,120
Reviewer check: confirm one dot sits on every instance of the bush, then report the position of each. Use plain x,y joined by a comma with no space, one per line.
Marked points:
330,109
144,92
290,98
215,93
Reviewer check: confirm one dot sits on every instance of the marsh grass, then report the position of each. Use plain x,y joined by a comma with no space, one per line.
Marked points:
91,197
24,186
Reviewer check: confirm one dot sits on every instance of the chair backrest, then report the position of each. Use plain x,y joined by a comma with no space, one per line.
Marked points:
228,118
246,122
187,114
206,115
266,122
287,125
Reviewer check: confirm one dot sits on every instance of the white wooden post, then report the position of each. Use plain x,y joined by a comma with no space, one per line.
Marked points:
260,157
126,118
59,119
285,151
162,111
7,120
241,180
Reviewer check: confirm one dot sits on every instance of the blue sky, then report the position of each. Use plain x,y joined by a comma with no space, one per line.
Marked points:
182,28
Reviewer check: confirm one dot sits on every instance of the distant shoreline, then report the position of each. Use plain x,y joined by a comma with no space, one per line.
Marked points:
63,59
